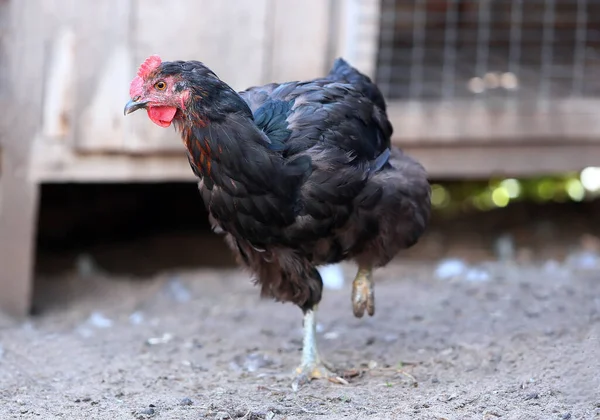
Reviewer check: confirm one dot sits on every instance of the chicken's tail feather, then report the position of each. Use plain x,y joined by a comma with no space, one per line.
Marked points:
342,70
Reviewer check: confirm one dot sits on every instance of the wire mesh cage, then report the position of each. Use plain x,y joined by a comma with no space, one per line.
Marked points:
526,50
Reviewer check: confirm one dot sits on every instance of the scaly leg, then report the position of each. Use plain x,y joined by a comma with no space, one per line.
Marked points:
363,295
312,367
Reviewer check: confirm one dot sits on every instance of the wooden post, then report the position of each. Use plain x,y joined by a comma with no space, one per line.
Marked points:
18,205
21,100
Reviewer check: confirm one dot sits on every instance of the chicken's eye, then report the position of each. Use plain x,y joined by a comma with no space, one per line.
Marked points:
160,85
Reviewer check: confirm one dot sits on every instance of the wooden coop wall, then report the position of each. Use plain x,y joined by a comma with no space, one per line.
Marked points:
20,98
66,65
94,50
427,56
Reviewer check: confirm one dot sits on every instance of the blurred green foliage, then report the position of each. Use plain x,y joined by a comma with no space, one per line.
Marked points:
452,197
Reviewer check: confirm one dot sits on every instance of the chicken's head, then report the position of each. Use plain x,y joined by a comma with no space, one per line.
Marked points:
163,95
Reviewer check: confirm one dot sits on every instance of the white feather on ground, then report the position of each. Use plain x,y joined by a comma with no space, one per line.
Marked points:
332,276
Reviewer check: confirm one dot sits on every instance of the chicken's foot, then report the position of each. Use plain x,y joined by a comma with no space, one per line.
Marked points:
363,295
311,367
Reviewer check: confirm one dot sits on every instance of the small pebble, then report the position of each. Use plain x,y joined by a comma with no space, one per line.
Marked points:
551,266
450,268
584,260
251,362
136,318
178,291
86,266
566,416
331,335
532,396
193,344
166,337
84,332
477,275
148,411
98,320
505,248
446,352
186,401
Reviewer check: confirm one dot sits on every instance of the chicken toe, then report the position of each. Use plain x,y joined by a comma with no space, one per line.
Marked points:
316,370
363,294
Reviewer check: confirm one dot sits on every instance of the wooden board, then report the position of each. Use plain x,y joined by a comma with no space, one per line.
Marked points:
113,38
442,160
229,36
95,50
104,69
356,34
475,122
249,42
87,66
22,21
460,161
300,40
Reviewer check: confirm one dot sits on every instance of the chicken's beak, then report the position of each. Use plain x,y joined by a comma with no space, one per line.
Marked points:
134,105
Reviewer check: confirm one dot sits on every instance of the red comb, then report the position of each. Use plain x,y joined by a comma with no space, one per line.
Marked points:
149,66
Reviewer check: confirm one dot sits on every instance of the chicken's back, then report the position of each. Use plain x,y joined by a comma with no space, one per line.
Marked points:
363,192
341,72
363,200
345,104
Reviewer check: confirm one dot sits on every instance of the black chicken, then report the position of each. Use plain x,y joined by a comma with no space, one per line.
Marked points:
296,175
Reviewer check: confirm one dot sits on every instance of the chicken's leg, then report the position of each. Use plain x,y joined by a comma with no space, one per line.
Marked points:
312,367
363,295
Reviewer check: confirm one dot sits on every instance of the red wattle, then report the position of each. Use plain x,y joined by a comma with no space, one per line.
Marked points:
162,115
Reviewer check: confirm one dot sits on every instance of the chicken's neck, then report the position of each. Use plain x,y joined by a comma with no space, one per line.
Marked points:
217,104
220,131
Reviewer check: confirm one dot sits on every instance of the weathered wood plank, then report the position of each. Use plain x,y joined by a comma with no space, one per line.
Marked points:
56,163
457,161
465,122
300,43
229,36
356,36
442,160
104,70
60,70
22,46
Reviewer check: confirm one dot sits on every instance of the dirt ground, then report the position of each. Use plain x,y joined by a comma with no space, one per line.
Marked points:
521,342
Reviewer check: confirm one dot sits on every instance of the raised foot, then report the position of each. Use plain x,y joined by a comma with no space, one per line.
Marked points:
319,370
363,295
